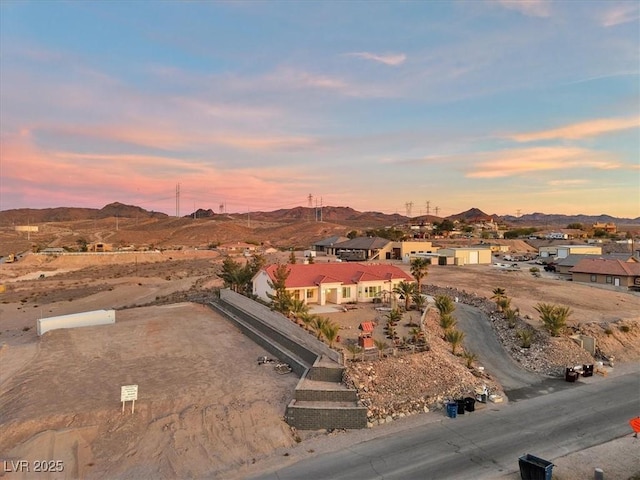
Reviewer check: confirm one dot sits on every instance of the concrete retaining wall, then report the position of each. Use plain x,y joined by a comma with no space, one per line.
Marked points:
325,417
74,320
315,408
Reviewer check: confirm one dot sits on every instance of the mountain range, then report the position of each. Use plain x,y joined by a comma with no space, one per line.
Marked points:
338,215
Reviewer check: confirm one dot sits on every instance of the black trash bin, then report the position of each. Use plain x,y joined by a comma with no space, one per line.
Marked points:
587,370
535,468
470,404
460,403
570,375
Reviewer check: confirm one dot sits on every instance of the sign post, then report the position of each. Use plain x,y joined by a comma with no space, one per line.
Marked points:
129,393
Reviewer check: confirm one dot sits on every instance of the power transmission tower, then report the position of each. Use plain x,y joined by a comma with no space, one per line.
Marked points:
309,205
518,213
408,207
437,210
428,207
221,208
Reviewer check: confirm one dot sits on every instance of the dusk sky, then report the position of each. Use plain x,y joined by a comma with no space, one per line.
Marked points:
508,106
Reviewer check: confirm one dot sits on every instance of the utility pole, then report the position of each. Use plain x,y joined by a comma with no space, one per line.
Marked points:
310,205
428,207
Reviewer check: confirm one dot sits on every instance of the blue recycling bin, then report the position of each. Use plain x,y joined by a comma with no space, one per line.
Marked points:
534,468
452,409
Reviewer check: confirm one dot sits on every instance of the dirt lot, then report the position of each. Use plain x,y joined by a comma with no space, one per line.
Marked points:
205,407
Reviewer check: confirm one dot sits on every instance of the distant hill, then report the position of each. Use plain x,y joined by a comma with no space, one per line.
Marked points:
473,215
25,216
537,218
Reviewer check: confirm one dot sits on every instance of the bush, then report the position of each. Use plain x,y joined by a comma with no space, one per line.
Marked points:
625,328
534,270
608,331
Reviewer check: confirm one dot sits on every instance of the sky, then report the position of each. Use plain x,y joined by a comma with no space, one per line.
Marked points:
412,107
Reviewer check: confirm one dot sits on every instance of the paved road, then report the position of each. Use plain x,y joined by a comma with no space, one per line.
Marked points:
486,444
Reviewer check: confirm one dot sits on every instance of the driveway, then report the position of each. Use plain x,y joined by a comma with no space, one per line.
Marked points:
481,339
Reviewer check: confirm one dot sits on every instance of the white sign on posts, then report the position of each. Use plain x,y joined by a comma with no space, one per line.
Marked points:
129,393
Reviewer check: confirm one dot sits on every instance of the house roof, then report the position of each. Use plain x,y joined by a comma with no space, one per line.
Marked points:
366,326
301,275
328,242
363,243
573,259
600,266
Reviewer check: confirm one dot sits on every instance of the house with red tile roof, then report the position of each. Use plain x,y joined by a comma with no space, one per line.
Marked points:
607,272
337,283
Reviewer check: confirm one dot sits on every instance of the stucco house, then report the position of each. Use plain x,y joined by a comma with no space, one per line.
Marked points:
337,283
565,265
467,255
607,272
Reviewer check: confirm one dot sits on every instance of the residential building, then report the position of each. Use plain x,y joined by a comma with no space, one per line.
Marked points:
337,283
468,255
609,227
563,251
607,272
564,265
327,244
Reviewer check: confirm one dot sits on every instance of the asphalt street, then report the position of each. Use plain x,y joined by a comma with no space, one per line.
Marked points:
486,444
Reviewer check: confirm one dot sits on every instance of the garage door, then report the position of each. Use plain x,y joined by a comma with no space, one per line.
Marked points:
473,258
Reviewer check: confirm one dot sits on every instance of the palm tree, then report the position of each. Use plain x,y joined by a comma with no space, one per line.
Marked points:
381,345
553,316
416,334
393,317
298,307
503,303
447,322
419,300
318,324
444,304
499,295
330,331
419,270
511,315
454,337
307,319
354,349
406,291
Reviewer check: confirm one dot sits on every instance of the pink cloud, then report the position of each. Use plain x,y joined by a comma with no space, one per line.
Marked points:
388,59
525,161
590,128
531,8
619,14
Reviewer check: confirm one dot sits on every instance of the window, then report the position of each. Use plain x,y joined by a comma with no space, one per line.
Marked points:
594,278
346,292
609,279
373,292
296,294
309,293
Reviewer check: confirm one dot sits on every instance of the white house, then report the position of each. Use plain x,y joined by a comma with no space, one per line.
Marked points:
337,283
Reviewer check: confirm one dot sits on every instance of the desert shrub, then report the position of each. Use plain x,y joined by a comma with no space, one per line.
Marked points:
625,328
608,331
469,358
534,270
525,337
